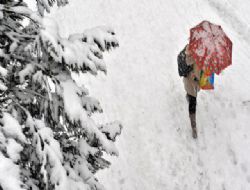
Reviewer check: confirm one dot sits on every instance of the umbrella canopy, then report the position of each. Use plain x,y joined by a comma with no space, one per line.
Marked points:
210,47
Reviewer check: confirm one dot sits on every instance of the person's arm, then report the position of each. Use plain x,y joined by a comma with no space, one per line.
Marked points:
196,73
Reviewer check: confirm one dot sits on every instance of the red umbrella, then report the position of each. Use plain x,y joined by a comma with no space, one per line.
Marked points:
210,47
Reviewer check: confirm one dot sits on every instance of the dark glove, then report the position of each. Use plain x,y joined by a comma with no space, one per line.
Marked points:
196,79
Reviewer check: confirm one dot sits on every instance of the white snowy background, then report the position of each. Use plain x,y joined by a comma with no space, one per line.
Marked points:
142,89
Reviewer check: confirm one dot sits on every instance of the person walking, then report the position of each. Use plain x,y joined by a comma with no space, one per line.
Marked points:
191,78
209,51
191,84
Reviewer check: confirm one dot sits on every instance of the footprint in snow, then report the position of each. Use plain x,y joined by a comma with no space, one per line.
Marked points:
243,167
122,181
248,179
232,156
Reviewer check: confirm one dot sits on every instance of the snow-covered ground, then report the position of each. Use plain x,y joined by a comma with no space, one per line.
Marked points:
142,89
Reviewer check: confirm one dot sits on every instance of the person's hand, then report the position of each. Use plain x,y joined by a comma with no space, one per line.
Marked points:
196,79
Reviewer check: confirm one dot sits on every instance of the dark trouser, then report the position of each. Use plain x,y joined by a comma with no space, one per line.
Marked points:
192,104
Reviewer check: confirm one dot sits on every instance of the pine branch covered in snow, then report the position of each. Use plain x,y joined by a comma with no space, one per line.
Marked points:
48,139
45,5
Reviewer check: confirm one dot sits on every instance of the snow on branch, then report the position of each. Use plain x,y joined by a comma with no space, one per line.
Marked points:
11,128
102,36
74,108
81,52
20,10
47,4
10,178
48,138
111,130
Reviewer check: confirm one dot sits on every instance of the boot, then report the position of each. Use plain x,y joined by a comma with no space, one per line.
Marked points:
193,125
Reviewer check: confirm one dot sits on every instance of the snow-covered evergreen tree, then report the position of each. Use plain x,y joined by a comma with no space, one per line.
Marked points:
48,139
